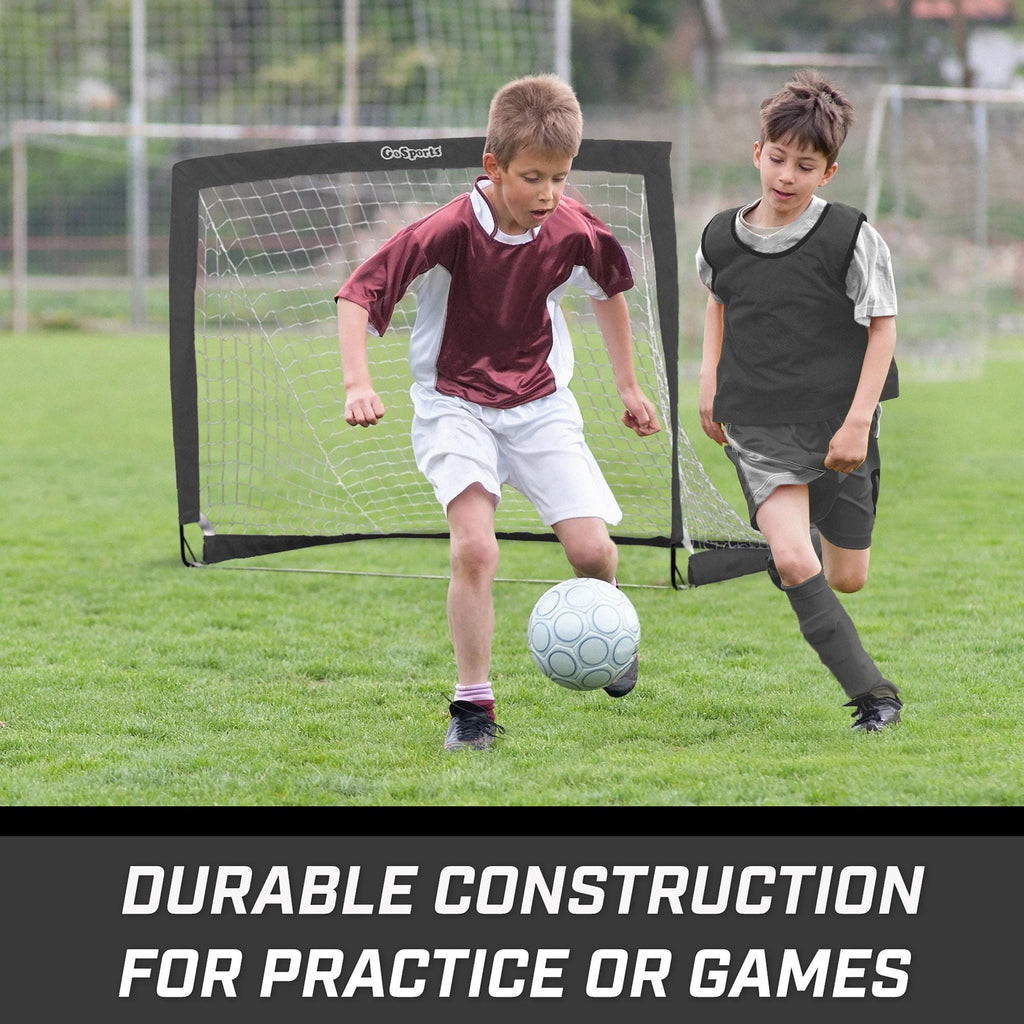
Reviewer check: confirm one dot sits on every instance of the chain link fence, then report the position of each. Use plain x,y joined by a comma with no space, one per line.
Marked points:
98,98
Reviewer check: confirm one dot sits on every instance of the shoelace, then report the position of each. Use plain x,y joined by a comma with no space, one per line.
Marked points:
487,726
868,709
865,713
473,723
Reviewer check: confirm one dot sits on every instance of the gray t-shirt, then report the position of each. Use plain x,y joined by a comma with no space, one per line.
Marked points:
869,282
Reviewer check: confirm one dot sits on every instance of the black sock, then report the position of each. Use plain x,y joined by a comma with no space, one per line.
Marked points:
828,628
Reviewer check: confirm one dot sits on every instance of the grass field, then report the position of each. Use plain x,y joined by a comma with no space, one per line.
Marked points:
127,679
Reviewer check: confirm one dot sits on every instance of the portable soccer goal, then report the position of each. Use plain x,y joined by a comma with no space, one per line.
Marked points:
260,241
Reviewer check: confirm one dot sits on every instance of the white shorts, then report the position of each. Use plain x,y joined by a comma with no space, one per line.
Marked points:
538,448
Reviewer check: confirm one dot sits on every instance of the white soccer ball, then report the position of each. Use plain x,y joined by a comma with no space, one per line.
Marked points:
583,633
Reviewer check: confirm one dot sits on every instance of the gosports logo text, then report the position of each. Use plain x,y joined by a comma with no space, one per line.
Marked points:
408,153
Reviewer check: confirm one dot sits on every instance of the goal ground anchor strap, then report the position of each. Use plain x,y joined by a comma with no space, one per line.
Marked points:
718,564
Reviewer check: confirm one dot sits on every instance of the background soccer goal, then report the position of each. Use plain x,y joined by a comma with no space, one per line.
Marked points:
261,241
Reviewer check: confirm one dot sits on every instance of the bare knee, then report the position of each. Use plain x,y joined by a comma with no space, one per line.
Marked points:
473,548
474,556
795,565
589,549
599,560
846,581
845,569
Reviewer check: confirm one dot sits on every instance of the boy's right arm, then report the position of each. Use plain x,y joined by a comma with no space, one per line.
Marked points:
363,407
714,314
613,319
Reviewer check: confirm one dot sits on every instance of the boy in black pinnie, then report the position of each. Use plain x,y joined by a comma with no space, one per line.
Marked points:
799,335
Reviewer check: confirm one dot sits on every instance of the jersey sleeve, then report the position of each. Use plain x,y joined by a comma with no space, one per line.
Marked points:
704,272
870,282
380,283
606,270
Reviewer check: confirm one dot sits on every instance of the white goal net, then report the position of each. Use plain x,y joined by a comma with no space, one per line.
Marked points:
260,243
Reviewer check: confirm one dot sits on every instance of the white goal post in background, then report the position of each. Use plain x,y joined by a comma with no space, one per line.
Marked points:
260,242
942,173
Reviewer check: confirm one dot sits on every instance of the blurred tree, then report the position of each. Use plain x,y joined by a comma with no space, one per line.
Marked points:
904,35
829,25
622,50
958,23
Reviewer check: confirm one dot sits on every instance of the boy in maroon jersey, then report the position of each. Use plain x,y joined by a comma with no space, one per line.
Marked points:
491,360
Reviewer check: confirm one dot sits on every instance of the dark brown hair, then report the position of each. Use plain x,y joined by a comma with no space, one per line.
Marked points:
809,110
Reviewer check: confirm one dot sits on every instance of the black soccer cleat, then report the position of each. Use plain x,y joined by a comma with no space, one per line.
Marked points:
624,684
471,726
873,714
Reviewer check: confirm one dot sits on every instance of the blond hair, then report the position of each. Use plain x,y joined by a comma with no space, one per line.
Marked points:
808,110
536,112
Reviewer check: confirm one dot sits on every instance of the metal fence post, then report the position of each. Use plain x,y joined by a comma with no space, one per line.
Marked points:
19,230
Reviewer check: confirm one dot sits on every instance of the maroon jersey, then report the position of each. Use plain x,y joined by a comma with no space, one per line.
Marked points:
488,325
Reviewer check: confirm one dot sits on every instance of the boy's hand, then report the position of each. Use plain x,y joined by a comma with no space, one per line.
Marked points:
640,416
706,404
848,448
713,430
363,407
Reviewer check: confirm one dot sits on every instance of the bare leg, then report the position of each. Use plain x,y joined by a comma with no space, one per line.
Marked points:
591,552
846,569
474,563
589,549
784,519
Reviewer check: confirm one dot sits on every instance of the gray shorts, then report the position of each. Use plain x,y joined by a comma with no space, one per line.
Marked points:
842,505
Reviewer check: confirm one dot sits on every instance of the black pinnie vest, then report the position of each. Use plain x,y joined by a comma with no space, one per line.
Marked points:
792,351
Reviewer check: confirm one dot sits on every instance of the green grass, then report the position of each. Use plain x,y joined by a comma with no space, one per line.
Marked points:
127,679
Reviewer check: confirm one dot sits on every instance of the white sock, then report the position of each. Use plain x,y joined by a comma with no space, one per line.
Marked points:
476,693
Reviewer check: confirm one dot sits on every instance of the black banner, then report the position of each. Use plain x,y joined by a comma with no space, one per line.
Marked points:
390,927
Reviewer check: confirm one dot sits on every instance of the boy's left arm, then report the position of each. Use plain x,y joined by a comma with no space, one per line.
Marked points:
849,445
613,319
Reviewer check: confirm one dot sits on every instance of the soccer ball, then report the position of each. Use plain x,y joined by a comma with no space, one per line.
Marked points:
583,633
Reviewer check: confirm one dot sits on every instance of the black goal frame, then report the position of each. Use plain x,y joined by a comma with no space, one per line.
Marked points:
718,559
